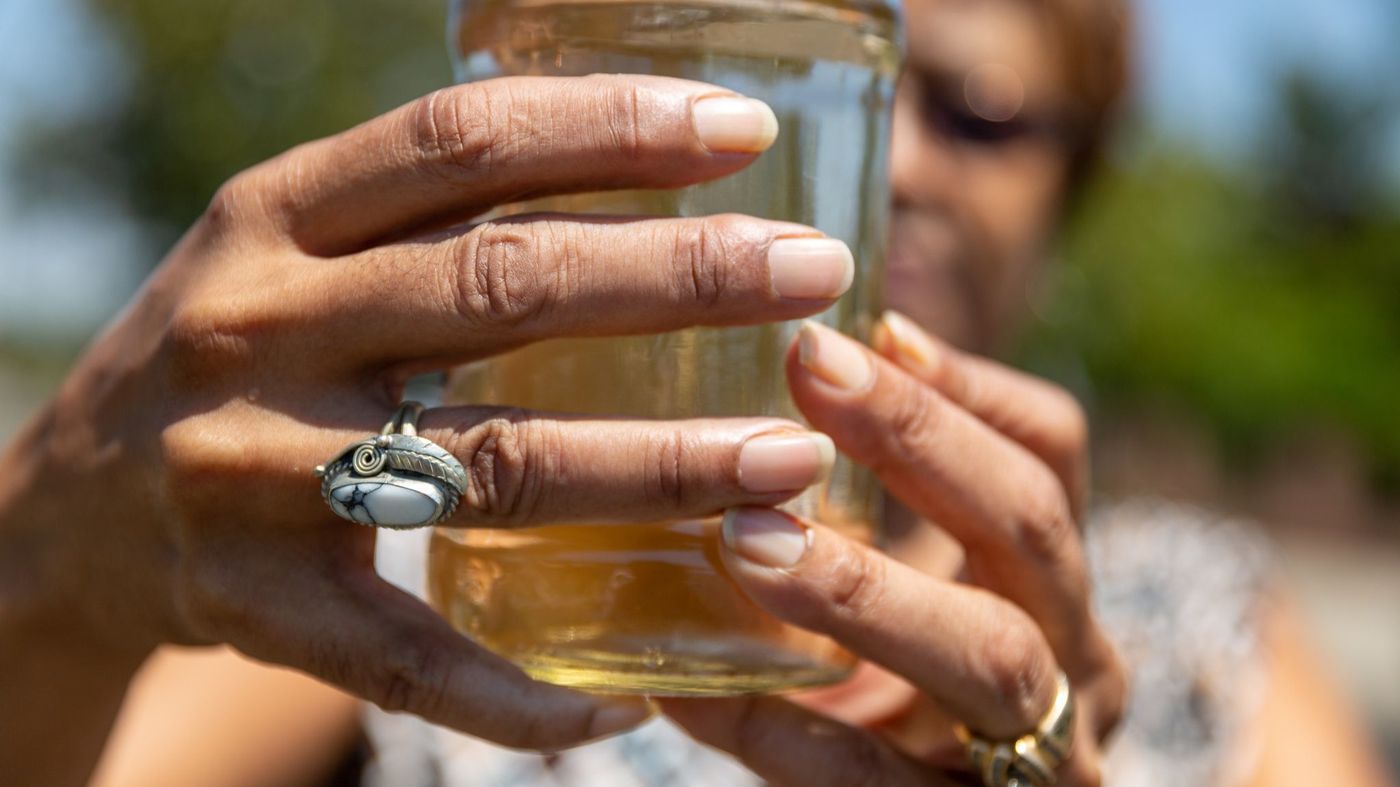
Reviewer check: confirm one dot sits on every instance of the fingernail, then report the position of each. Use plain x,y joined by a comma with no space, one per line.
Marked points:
734,124
837,360
912,346
615,717
810,267
764,536
784,462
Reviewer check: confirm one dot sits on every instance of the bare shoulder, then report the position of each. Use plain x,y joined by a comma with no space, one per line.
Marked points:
210,716
1308,732
1226,688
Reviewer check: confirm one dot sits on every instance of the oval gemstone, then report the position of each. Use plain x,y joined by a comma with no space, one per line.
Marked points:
403,503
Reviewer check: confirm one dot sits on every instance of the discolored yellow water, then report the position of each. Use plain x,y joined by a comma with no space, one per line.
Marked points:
647,607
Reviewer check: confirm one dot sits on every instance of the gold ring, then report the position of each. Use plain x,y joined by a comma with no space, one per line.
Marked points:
1032,759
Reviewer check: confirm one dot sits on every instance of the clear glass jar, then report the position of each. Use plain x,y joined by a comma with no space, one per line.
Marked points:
648,607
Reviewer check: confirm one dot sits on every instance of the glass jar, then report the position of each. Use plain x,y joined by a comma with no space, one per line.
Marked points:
647,607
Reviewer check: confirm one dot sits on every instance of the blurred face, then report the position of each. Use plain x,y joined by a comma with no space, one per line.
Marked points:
978,165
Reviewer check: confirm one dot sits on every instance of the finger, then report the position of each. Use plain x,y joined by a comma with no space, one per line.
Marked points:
788,745
1006,507
462,150
508,282
527,467
367,637
1041,416
978,655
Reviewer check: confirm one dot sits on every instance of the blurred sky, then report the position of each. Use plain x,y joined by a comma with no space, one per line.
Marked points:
1204,66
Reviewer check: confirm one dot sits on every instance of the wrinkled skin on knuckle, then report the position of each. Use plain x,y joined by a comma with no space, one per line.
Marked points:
850,588
670,458
911,424
707,255
499,455
501,280
1010,657
620,105
462,129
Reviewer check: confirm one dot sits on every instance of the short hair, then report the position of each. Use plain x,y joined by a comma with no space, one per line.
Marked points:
1094,42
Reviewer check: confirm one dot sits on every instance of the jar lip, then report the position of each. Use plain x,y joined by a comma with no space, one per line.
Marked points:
853,5
881,23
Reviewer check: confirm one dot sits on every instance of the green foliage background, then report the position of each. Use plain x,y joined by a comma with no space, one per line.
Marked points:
1262,294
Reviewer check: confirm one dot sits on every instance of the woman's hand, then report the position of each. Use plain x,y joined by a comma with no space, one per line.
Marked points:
997,459
167,494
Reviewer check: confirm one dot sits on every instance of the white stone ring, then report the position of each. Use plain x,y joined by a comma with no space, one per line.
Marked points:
395,479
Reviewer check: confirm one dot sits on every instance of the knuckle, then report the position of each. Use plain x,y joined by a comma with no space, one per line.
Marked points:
1044,529
465,127
668,456
622,100
696,278
1012,661
913,416
911,422
704,251
498,280
213,338
856,585
232,206
199,461
499,456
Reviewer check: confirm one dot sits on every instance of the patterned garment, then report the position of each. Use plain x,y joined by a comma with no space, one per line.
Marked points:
1177,588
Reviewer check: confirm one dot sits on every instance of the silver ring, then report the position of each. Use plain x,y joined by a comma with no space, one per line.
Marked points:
395,479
